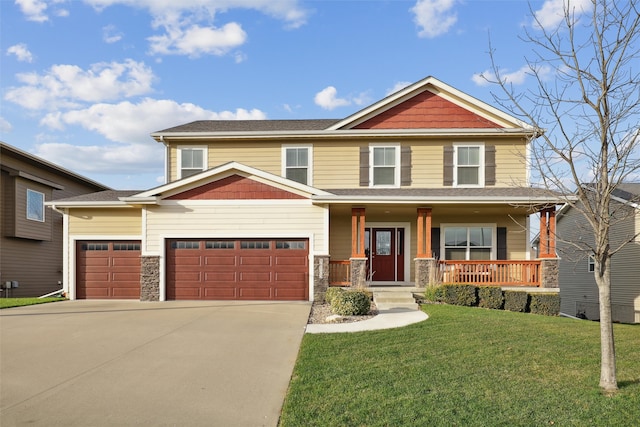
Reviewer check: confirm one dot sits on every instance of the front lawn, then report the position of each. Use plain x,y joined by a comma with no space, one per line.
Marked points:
19,302
464,367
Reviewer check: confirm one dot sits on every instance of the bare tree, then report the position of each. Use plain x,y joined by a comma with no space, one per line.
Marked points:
586,105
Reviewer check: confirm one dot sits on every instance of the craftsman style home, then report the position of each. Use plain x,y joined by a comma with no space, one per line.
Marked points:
426,183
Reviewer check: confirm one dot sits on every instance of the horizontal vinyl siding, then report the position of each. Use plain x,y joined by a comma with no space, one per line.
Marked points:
625,274
198,220
336,165
427,165
511,166
114,221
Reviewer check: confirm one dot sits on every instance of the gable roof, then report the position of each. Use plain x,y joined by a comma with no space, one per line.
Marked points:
441,89
454,113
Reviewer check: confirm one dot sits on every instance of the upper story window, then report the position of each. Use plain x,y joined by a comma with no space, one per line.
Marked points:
385,166
35,205
469,165
591,264
191,160
468,243
296,164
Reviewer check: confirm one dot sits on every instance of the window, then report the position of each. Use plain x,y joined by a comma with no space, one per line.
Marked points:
290,244
296,164
468,243
192,161
384,166
469,163
126,246
591,264
185,245
259,244
35,206
220,244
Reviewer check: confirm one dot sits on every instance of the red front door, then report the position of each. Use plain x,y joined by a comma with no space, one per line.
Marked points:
385,250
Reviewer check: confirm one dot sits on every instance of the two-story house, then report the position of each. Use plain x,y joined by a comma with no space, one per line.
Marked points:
31,261
427,180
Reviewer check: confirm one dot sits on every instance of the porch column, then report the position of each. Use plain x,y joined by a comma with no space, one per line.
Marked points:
547,233
424,233
358,256
357,233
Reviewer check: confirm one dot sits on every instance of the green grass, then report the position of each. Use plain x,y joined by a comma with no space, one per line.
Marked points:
19,302
465,367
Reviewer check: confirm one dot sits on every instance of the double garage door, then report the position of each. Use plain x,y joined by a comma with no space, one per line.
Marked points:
249,269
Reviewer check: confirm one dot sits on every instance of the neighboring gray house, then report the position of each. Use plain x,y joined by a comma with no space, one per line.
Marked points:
31,256
578,289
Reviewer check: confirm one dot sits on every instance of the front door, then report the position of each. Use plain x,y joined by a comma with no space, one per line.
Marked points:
383,254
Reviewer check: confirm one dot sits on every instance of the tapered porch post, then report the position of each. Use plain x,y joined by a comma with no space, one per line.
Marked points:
425,264
358,256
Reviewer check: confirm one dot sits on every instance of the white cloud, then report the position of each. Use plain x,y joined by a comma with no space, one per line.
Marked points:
552,12
34,10
434,17
108,159
327,99
517,77
129,122
110,34
5,126
196,40
69,85
21,51
398,86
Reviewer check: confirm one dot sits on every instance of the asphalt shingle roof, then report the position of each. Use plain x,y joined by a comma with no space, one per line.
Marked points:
101,196
251,126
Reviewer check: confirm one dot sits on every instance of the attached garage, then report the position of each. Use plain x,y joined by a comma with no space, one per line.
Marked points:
108,270
237,269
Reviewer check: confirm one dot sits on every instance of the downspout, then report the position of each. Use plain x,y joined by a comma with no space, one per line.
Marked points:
65,253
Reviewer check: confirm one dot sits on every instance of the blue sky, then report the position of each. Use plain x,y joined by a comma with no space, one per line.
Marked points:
84,82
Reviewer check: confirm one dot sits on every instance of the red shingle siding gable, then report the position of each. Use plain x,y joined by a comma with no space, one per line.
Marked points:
427,111
234,187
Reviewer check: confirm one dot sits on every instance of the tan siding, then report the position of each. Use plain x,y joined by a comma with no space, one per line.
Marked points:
259,219
427,166
263,156
173,163
113,221
510,165
336,165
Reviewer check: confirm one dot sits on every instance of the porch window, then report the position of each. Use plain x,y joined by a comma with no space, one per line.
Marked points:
385,170
468,243
296,163
468,165
192,161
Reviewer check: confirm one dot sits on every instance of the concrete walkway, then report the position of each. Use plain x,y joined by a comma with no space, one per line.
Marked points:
131,363
386,319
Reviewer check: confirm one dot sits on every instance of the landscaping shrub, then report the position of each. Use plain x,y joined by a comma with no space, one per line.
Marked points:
545,304
516,301
460,295
490,297
351,303
332,293
434,293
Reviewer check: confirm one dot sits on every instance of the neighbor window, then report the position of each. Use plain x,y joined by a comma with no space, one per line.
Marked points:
296,164
468,243
591,264
385,170
468,164
35,205
192,161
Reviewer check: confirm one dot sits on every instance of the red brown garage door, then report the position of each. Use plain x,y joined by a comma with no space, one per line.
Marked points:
108,270
249,269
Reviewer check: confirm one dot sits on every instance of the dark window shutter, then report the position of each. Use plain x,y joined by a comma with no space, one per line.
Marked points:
435,242
448,166
490,165
364,166
405,166
501,234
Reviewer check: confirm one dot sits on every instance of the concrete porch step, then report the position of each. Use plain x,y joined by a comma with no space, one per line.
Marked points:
386,300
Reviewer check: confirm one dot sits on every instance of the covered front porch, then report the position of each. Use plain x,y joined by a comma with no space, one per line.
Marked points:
418,246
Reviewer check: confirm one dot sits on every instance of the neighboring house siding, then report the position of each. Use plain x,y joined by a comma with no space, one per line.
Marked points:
578,288
249,219
107,222
32,252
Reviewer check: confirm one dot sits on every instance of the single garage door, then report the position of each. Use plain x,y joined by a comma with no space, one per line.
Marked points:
108,270
234,269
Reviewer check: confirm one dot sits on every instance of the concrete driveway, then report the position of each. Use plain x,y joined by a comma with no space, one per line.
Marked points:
125,363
